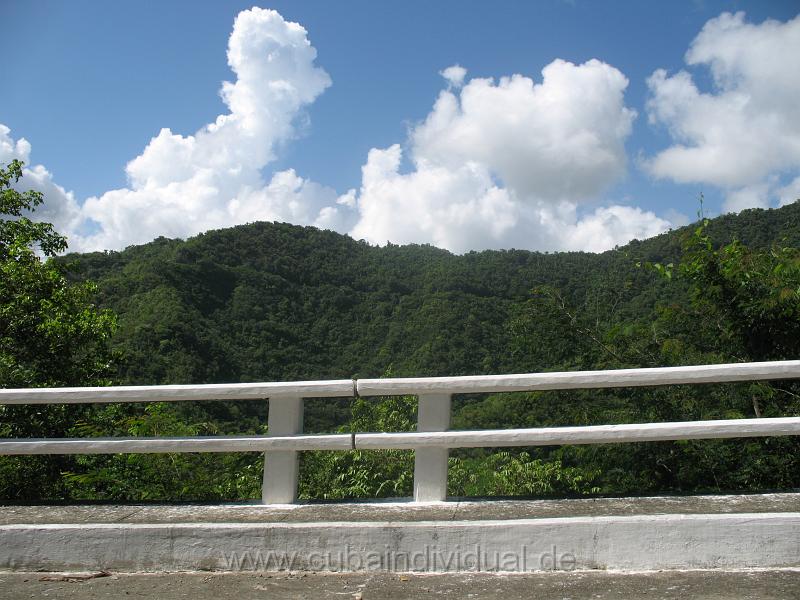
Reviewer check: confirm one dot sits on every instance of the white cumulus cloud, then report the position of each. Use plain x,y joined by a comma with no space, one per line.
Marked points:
455,208
60,206
509,163
789,193
454,75
182,185
745,132
496,164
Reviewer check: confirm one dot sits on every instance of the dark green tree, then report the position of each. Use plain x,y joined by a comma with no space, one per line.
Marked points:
51,335
364,473
750,297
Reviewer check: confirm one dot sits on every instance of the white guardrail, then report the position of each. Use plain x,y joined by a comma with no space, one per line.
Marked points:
431,441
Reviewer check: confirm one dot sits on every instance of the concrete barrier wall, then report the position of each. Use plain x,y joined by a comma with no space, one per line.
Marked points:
640,542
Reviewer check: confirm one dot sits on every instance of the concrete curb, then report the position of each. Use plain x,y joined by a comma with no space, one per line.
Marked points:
637,542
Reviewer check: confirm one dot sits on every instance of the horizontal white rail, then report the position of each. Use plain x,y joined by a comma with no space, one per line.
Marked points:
565,380
540,436
175,393
142,445
431,441
569,380
593,434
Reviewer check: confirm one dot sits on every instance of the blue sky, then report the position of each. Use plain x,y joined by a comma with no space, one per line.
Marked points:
89,84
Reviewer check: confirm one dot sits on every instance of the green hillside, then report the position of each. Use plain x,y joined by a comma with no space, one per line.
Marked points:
278,302
269,301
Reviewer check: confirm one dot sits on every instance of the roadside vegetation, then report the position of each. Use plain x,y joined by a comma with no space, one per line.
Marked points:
277,302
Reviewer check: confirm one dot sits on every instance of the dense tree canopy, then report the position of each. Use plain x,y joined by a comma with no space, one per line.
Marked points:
51,334
271,301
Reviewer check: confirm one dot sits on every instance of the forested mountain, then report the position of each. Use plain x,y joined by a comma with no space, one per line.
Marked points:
271,302
277,302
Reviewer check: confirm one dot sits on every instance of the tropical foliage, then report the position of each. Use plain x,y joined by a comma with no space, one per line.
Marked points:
51,334
271,302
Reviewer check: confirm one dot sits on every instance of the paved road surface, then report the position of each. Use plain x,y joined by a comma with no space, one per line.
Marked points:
706,585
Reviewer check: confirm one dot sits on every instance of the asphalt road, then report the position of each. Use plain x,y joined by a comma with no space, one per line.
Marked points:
597,585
